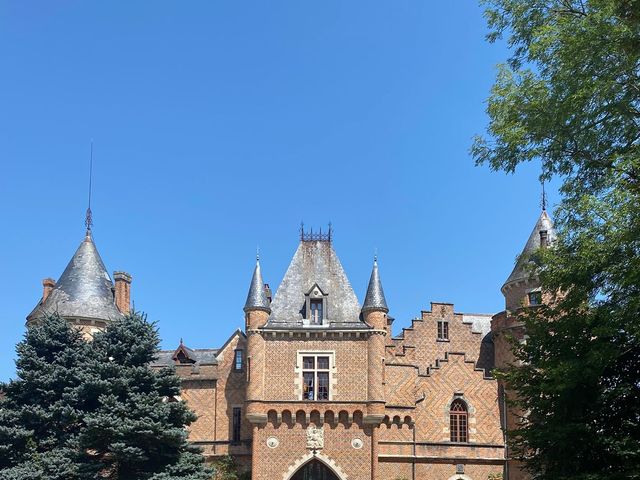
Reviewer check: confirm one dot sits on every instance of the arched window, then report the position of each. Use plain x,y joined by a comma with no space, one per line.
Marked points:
458,423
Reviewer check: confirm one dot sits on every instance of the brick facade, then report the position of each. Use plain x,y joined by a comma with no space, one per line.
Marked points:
317,381
387,415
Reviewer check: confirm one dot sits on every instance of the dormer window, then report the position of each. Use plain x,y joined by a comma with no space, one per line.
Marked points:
316,311
544,238
315,306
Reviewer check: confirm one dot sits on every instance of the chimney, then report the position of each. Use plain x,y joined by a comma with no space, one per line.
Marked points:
267,291
544,239
123,291
47,284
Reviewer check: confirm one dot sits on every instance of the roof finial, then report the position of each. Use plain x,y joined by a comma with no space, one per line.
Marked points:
375,255
257,253
88,220
543,201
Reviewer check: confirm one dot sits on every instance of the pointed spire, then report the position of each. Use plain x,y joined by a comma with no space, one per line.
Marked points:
257,297
88,219
374,299
542,235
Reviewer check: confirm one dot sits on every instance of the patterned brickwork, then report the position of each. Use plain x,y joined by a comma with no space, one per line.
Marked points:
457,376
436,470
350,370
420,346
419,377
506,327
291,452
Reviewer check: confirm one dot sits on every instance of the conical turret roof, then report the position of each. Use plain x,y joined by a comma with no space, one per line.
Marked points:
84,290
374,299
544,224
257,297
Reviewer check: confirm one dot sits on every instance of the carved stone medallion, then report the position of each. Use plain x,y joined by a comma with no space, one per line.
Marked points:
356,443
315,438
272,442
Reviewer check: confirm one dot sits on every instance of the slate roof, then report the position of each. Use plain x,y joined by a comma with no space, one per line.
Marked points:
520,271
257,297
315,262
84,290
374,299
200,356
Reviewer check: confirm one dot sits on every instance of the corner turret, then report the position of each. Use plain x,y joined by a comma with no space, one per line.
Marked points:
257,297
84,295
256,309
522,288
374,313
374,299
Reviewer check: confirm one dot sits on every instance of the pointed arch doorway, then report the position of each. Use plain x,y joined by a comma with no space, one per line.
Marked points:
314,470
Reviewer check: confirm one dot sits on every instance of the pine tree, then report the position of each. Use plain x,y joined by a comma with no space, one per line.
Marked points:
95,410
137,428
41,412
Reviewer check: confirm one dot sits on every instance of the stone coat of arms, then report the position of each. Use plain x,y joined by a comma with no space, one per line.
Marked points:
315,438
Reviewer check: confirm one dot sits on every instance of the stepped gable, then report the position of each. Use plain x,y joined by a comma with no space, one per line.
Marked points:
418,345
315,263
84,291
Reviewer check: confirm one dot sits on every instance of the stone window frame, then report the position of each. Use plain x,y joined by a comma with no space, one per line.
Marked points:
459,416
315,293
471,420
298,380
446,326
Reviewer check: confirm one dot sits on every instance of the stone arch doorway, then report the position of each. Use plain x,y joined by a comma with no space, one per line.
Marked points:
314,470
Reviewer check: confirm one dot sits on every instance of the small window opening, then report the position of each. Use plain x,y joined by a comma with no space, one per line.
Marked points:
237,423
544,238
535,298
443,330
238,362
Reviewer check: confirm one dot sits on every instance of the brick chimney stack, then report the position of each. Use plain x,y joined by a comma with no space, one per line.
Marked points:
123,291
47,284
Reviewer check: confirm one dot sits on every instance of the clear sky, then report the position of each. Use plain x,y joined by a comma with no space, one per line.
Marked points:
220,125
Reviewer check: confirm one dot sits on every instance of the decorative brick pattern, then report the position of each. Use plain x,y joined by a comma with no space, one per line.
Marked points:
389,397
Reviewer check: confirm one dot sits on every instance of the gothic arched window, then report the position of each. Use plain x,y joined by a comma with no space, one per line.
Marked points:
458,421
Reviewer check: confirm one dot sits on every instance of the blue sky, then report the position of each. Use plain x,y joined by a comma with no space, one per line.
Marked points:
219,126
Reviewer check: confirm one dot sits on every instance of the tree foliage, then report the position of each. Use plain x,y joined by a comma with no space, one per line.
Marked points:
94,410
569,97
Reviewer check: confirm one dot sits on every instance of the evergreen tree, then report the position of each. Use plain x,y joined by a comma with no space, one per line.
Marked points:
41,412
94,410
569,97
136,429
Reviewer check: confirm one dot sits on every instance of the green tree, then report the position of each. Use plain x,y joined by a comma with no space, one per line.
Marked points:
227,468
41,411
89,410
569,97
